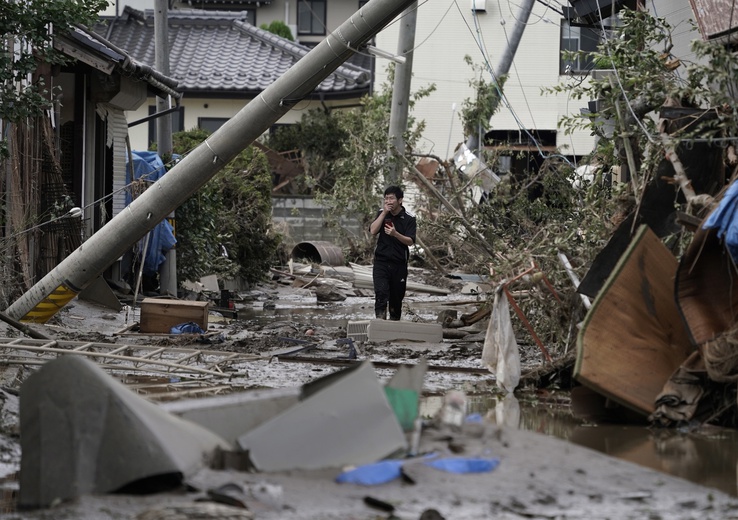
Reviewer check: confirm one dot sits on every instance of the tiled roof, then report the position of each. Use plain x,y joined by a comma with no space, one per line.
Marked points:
218,52
86,46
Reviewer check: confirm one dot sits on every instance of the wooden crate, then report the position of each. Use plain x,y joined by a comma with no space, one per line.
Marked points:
159,315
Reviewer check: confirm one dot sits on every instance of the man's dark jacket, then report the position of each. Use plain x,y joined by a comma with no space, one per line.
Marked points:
390,249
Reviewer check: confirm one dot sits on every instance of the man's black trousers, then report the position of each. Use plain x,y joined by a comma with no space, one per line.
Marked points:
390,281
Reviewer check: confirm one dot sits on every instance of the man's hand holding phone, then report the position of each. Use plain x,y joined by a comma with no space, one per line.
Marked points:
389,227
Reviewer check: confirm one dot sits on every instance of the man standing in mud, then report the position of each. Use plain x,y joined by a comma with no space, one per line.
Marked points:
396,230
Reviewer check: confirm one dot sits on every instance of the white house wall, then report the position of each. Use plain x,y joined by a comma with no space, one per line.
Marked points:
216,108
445,34
194,109
678,14
338,11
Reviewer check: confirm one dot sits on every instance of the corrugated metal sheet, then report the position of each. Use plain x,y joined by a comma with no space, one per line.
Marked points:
118,129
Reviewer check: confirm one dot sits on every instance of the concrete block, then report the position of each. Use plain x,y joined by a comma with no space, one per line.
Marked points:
388,330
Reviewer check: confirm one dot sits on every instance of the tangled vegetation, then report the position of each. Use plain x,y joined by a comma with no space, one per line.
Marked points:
476,113
654,116
544,213
28,42
347,164
225,228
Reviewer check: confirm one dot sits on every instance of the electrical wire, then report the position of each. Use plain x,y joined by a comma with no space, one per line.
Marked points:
515,68
616,74
79,211
505,101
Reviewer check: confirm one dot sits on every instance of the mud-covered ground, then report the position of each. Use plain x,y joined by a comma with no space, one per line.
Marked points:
537,477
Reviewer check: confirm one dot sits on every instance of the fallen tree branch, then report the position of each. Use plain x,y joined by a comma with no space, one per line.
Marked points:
680,176
487,247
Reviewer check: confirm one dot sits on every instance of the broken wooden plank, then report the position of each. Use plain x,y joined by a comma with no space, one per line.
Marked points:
633,338
707,287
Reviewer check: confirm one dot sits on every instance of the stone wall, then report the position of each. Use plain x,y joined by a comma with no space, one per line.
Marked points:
301,219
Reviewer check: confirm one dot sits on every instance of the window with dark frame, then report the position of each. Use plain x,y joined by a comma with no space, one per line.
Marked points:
211,124
576,39
311,17
177,122
251,16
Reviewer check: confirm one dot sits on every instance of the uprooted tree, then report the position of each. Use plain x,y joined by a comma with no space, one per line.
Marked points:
663,125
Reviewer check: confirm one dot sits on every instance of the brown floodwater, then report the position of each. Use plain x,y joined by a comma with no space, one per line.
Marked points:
708,457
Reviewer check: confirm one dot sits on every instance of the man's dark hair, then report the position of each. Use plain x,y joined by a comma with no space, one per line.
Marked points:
394,190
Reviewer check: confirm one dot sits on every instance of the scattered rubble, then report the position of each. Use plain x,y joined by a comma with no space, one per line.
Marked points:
296,402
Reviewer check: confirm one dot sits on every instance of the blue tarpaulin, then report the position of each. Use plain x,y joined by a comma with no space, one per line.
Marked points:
725,219
149,167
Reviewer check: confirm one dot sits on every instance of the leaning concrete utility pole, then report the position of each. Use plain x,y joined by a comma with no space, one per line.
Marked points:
401,90
88,261
475,141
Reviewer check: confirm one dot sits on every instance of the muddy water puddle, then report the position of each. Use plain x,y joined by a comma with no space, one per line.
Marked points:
708,458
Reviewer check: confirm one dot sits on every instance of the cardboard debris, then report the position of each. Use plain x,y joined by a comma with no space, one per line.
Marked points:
84,432
343,418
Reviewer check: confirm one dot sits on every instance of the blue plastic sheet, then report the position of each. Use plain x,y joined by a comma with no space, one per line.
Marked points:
187,328
390,469
372,474
725,219
148,166
464,465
